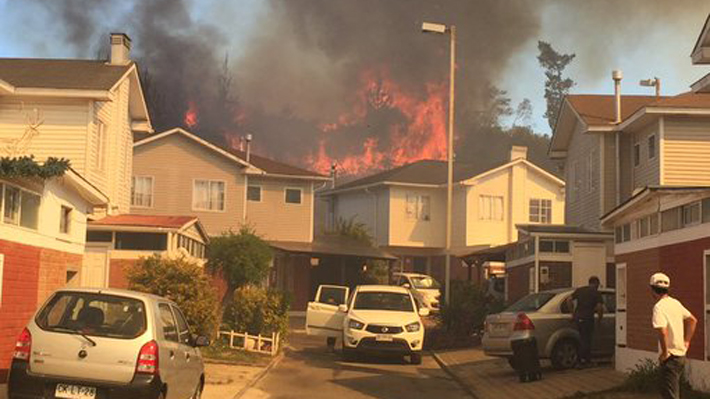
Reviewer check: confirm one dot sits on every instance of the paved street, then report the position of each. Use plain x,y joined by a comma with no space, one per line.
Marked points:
310,371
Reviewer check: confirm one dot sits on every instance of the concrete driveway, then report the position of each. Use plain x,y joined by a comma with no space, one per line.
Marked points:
310,371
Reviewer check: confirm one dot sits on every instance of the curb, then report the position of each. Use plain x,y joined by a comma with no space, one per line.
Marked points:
274,362
447,369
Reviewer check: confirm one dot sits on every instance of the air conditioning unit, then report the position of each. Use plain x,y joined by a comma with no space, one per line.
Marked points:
544,275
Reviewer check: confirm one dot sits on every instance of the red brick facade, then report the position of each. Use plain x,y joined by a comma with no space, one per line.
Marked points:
117,272
683,263
30,274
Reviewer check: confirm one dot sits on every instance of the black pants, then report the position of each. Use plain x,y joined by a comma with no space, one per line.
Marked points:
586,332
671,371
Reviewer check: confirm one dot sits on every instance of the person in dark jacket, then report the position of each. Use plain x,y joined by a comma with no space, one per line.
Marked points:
589,302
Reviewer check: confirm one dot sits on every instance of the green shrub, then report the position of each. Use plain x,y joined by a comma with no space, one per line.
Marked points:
183,282
256,310
467,309
646,378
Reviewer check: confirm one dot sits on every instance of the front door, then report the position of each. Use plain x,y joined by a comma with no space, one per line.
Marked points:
323,318
94,272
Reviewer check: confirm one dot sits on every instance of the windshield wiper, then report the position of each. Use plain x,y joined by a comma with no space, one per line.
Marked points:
76,331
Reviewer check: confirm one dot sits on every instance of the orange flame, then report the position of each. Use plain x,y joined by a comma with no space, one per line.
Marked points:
422,135
190,119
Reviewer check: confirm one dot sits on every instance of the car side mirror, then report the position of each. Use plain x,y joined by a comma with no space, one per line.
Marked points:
343,308
424,312
406,285
201,341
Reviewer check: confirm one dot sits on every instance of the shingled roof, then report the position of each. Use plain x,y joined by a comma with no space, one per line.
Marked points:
155,221
61,74
424,172
598,109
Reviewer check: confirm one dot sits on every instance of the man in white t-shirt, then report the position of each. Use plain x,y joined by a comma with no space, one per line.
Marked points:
675,326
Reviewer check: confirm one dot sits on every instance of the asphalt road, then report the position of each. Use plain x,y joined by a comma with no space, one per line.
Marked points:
310,371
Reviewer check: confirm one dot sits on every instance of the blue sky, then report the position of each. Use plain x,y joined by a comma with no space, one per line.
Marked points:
660,48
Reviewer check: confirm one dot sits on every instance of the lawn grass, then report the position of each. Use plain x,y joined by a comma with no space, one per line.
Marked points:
219,351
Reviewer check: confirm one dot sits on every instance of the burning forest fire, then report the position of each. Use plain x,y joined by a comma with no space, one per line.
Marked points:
419,131
190,119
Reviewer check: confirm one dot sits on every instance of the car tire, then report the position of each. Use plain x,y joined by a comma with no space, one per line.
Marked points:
198,391
565,354
415,358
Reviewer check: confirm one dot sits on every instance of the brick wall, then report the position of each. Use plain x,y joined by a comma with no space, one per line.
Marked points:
53,267
684,265
19,296
117,272
518,281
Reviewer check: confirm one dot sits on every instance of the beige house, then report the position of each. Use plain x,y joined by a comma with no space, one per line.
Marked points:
405,208
179,173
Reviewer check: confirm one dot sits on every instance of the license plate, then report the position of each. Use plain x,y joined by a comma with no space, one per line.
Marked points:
383,338
74,392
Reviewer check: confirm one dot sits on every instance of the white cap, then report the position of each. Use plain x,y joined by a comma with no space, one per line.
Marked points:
660,280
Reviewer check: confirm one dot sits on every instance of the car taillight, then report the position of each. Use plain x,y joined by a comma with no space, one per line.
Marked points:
148,359
523,323
23,346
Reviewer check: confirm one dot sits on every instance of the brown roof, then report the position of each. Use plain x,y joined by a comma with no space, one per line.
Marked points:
60,74
271,166
685,100
597,109
429,172
325,245
156,221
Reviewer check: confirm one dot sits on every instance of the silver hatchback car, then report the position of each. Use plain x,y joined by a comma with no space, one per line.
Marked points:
106,343
547,317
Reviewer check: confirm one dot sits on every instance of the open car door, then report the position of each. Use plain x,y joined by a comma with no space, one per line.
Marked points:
323,317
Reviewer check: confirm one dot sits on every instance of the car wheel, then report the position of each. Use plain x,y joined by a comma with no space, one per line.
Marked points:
198,391
565,354
415,358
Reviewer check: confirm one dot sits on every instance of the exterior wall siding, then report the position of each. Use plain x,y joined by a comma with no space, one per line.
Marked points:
686,151
609,173
61,130
172,187
412,232
273,218
582,200
648,171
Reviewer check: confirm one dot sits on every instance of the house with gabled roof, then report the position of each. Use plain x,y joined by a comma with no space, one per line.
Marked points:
404,208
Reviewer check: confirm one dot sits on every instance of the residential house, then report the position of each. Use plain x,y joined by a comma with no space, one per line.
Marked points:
404,208
661,218
122,240
226,189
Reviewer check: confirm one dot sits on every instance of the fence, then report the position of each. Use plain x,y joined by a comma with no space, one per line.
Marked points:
253,343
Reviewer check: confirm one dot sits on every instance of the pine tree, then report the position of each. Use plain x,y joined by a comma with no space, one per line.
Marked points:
556,87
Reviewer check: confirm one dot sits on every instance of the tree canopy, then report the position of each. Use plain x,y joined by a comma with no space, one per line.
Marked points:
556,86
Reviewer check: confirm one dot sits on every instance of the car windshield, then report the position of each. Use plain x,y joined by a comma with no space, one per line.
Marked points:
424,282
93,314
531,302
383,301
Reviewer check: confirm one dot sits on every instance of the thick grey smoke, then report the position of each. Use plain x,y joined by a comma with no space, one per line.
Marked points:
303,65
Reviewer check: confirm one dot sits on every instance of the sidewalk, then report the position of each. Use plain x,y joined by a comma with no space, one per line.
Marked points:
224,381
492,378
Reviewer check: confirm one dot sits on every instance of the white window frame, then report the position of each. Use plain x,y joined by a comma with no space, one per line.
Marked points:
417,202
209,189
694,222
286,196
19,208
649,140
261,192
69,220
490,215
540,208
152,191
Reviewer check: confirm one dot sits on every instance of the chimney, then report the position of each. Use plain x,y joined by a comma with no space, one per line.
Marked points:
617,76
248,140
333,174
120,49
517,151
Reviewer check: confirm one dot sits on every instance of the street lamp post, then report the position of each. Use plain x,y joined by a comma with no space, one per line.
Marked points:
451,30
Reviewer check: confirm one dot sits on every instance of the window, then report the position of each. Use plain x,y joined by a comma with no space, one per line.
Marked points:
167,320
208,195
21,207
142,241
195,248
142,191
541,211
65,220
623,233
691,214
637,154
12,205
670,219
554,246
706,210
100,146
254,193
418,207
651,146
182,327
653,224
99,236
293,196
490,207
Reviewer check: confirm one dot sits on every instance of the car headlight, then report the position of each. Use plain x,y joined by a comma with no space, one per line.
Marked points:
356,325
413,327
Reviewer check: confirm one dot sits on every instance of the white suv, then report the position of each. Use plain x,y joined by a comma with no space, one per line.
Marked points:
424,288
377,318
106,343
